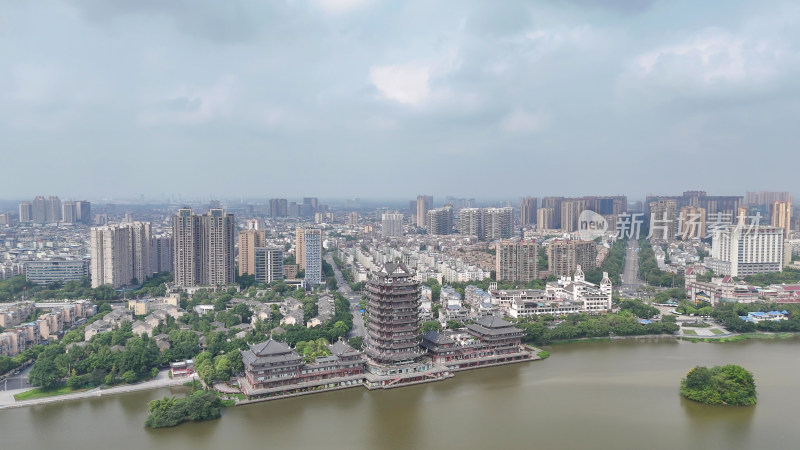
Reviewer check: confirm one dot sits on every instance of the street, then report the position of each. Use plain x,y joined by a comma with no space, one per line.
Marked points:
354,298
19,381
630,281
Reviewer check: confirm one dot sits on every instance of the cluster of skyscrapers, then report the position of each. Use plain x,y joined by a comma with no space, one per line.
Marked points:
51,210
281,207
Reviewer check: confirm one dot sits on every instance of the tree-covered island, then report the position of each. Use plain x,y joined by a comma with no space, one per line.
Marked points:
720,385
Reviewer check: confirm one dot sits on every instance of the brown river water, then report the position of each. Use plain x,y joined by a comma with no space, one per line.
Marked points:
615,395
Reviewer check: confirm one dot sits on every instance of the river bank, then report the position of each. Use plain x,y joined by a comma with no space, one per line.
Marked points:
624,394
7,400
163,380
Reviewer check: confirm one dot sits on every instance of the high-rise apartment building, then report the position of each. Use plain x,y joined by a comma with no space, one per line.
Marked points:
719,208
545,219
782,217
294,209
53,211
498,223
187,253
140,250
310,206
120,254
767,197
25,212
278,207
249,240
663,221
203,248
571,210
742,249
352,218
69,213
268,264
692,223
470,222
161,248
220,229
527,211
564,256
393,302
308,254
440,220
392,225
517,261
39,210
83,212
554,203
424,204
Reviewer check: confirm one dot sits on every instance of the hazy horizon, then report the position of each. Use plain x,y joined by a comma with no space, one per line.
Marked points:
373,98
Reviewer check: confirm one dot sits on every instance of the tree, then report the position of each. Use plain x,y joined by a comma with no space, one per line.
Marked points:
222,368
74,382
45,374
206,371
129,376
430,325
357,342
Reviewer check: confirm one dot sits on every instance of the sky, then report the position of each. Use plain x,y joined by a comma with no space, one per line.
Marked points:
378,98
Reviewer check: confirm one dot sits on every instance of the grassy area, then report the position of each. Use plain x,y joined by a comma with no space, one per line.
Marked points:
750,336
41,393
697,324
689,333
574,341
544,354
716,331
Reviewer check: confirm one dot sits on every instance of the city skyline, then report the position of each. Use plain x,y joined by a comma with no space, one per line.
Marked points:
103,94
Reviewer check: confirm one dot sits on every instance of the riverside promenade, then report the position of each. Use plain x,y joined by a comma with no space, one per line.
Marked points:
162,380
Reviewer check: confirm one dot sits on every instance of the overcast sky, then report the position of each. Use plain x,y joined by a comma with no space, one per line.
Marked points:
377,98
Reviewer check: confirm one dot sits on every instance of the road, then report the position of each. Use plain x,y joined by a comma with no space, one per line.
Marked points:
354,298
162,380
630,281
14,382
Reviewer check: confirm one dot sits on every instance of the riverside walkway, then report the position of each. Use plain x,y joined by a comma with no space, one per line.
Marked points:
7,400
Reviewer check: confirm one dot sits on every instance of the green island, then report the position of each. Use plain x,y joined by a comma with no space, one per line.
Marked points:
171,411
720,385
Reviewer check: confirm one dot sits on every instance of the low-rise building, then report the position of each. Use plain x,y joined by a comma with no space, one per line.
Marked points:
769,316
488,341
182,369
273,368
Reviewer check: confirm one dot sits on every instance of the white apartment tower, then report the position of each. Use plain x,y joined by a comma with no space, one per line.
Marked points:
471,222
120,254
743,250
268,264
308,253
392,225
498,223
111,260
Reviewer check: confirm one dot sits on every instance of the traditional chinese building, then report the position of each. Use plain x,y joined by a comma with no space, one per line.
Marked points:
273,368
393,302
489,341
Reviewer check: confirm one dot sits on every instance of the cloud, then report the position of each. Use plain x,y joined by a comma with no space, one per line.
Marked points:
520,121
340,6
711,57
194,106
407,84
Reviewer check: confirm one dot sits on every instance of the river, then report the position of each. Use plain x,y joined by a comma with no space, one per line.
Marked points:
621,394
